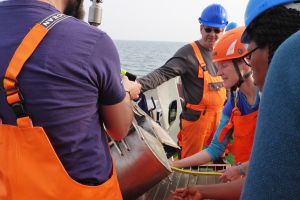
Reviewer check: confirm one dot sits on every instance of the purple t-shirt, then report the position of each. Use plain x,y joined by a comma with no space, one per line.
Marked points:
74,70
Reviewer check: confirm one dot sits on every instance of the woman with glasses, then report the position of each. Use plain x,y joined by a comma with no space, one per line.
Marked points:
274,165
238,121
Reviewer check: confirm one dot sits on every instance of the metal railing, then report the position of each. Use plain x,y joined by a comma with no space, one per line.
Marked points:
181,178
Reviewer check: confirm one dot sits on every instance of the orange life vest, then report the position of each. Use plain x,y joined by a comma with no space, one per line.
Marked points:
243,134
195,134
30,168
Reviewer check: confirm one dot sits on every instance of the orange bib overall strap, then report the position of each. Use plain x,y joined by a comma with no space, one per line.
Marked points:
243,134
195,134
30,168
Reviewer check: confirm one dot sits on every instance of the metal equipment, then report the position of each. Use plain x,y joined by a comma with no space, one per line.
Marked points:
95,13
140,162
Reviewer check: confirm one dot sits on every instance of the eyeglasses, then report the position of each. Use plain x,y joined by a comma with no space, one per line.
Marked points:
209,29
247,57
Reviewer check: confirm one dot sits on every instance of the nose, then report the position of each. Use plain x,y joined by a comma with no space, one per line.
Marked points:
212,34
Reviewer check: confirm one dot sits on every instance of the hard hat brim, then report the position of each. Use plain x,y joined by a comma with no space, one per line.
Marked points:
213,24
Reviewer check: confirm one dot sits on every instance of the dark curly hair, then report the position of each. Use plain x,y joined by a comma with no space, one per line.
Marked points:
75,8
274,26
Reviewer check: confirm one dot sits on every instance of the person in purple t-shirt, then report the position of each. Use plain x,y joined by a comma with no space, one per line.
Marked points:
71,85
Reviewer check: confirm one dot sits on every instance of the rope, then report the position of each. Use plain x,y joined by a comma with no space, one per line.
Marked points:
195,172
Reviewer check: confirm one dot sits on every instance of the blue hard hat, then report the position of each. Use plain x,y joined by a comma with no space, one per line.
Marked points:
230,26
257,7
214,15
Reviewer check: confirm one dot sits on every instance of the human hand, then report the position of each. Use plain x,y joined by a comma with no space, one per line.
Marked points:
174,163
230,174
190,193
133,88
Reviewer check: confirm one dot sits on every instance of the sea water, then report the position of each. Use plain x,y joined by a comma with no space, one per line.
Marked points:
142,57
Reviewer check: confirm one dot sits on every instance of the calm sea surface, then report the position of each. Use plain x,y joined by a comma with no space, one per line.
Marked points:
142,57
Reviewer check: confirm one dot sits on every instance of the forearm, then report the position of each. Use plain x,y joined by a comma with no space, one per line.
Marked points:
216,149
197,159
175,66
156,78
231,190
120,114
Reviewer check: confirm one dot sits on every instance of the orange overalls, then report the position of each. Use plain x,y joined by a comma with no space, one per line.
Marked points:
243,134
30,168
193,135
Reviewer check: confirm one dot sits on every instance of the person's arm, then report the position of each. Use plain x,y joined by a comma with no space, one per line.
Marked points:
231,190
234,172
117,118
199,158
114,102
173,67
214,150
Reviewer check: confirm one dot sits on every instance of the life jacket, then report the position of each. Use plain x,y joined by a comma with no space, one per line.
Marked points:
243,133
195,134
30,168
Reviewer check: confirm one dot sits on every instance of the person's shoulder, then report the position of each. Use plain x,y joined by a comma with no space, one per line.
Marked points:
241,98
284,68
77,33
188,46
290,48
185,49
73,28
227,109
291,41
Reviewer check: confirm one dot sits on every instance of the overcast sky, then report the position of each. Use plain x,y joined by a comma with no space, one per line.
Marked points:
160,20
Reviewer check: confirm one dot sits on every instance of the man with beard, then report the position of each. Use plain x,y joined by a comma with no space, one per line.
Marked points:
203,92
71,86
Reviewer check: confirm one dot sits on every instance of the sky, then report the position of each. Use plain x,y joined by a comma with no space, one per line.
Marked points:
160,20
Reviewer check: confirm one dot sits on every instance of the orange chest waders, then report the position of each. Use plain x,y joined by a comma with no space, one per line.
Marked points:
195,134
30,168
243,134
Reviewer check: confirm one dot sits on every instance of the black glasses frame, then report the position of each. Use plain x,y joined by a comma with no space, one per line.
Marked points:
247,57
210,29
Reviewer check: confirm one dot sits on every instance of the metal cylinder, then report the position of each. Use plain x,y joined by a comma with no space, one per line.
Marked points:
140,162
95,13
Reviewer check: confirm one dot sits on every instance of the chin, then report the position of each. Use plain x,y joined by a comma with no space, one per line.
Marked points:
227,86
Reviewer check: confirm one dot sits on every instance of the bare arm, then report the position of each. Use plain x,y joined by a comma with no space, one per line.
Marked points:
199,158
231,190
233,173
117,118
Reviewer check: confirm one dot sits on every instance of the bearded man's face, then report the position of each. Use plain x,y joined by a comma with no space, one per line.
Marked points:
75,8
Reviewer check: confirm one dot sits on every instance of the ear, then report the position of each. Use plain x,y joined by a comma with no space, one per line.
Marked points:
201,29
